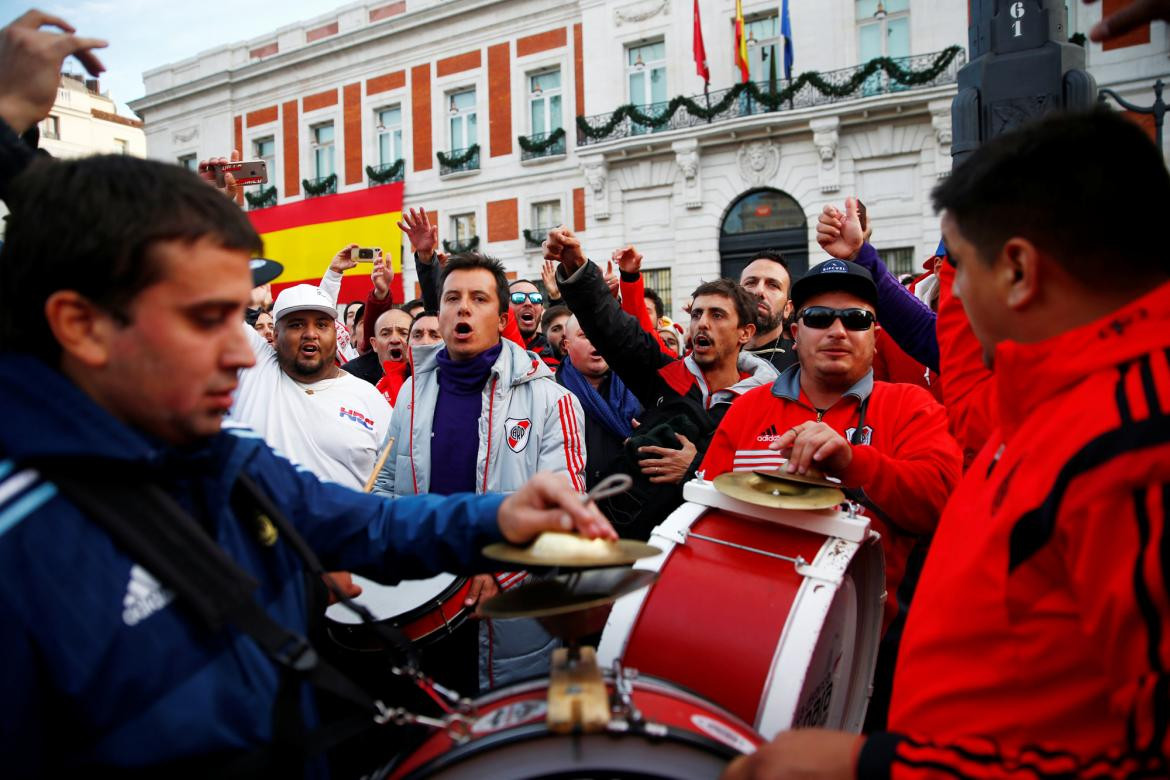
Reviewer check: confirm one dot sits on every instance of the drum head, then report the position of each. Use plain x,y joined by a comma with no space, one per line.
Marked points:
393,601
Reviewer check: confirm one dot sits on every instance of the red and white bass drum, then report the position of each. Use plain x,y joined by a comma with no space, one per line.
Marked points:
773,614
657,730
425,610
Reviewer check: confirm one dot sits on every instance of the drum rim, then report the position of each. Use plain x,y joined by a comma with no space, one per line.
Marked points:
414,614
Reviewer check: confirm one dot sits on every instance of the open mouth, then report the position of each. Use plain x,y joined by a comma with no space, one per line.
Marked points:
526,317
308,350
702,341
463,329
396,354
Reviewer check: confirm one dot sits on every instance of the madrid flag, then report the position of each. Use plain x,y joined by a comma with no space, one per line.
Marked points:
304,236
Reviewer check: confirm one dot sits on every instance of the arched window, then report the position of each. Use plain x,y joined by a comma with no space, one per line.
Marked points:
763,219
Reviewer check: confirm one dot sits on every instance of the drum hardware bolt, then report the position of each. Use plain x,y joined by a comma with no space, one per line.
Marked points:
623,691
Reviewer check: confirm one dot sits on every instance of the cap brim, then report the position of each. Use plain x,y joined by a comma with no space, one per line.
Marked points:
265,270
308,307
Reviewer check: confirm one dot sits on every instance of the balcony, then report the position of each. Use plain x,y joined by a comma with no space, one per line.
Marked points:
538,145
459,161
456,245
920,71
325,185
261,198
534,238
386,173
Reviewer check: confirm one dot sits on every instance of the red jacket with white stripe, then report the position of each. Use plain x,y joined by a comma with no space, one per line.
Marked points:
902,472
1039,642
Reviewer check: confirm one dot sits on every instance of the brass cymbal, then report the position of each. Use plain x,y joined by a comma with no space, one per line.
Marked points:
813,477
777,493
623,552
566,593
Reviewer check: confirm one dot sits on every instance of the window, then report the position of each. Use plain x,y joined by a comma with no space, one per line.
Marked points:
265,149
188,161
658,280
463,227
763,40
546,215
322,150
50,128
389,134
883,30
899,260
544,102
764,210
646,71
121,146
461,107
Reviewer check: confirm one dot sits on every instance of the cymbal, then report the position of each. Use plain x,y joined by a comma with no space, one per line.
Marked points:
813,477
566,593
777,493
623,552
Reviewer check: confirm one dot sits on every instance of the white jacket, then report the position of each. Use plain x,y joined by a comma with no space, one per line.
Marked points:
527,423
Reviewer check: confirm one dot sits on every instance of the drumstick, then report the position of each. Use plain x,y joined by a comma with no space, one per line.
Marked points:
378,466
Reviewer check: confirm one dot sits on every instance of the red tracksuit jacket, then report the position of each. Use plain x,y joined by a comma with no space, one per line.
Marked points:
1039,642
905,470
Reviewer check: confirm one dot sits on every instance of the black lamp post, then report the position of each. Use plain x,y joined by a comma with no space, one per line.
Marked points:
1158,110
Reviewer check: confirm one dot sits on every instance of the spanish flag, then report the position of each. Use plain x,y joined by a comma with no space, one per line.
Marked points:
305,236
741,52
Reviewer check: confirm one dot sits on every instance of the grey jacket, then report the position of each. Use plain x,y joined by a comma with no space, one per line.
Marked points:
528,423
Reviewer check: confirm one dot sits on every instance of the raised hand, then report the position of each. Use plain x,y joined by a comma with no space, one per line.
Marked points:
548,273
629,260
1132,15
207,173
563,247
31,58
612,280
342,261
422,234
381,276
840,235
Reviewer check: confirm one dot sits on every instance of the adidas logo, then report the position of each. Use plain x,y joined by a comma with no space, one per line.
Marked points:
144,596
769,435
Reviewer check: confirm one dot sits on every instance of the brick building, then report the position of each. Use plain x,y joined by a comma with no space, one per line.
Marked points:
468,94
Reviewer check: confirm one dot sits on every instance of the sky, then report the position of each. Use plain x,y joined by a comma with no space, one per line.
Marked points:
144,34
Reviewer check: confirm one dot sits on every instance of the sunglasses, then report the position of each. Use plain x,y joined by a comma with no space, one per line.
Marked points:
822,317
533,297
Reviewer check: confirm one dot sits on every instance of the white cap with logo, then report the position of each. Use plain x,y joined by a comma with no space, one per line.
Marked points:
303,297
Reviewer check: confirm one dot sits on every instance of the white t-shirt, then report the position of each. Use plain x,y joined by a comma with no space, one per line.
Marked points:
335,431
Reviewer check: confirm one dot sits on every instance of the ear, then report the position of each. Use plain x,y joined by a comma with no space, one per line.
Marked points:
84,331
787,309
371,340
1018,273
504,322
793,328
746,333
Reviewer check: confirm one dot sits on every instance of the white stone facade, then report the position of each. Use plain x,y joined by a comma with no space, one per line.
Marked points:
667,192
84,121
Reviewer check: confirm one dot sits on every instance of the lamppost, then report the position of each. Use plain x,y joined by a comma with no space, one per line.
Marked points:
1158,110
1021,68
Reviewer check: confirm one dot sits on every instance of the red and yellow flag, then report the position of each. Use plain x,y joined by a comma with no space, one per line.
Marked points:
741,52
304,236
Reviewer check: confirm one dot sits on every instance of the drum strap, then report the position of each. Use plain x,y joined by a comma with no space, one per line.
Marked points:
154,529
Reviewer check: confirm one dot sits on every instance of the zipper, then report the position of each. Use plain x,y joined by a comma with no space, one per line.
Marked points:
488,460
821,414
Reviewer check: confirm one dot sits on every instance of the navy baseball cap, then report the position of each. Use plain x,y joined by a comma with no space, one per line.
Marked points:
265,270
832,276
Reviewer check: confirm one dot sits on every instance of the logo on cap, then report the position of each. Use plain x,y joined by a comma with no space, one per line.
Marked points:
834,266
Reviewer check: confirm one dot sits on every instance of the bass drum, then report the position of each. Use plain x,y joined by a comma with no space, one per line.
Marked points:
779,624
425,610
681,736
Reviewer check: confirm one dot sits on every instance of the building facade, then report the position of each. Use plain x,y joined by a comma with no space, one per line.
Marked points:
474,104
85,121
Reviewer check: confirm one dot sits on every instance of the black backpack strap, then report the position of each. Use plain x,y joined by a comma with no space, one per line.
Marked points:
151,526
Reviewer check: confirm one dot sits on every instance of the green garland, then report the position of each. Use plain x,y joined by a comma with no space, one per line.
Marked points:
455,162
455,247
549,141
327,184
773,100
264,198
387,175
535,240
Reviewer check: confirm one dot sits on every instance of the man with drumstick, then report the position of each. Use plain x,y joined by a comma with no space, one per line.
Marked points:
1037,646
887,443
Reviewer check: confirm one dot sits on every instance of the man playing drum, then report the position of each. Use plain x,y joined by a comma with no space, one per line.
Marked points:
887,443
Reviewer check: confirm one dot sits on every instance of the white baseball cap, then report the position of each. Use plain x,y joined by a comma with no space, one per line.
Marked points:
303,297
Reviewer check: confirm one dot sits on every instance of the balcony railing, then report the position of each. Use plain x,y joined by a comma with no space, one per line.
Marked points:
542,145
917,72
385,173
459,160
325,185
534,238
455,245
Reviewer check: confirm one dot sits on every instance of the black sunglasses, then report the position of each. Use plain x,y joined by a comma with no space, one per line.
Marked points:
534,297
822,317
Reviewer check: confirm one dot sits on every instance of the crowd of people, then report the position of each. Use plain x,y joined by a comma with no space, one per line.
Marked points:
177,434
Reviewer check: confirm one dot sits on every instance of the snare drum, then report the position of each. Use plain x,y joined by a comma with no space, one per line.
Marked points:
679,736
424,610
773,614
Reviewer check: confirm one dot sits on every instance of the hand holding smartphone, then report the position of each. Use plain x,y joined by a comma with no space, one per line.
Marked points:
366,254
244,171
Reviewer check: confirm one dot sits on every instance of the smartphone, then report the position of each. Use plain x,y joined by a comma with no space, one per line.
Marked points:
245,171
365,254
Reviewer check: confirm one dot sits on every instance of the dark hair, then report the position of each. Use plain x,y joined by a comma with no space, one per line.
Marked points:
552,313
92,225
1069,185
467,261
768,254
420,315
359,315
411,304
745,304
526,281
659,306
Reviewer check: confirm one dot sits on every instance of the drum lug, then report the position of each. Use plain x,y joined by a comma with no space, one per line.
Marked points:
829,574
